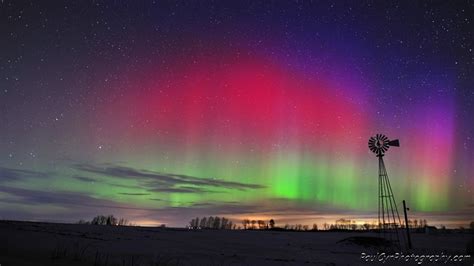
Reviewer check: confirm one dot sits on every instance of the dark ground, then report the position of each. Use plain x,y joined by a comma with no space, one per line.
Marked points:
26,243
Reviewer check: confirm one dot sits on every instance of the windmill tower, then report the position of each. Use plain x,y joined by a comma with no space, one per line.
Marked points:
388,218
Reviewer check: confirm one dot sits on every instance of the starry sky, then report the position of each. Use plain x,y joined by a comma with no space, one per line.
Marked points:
161,111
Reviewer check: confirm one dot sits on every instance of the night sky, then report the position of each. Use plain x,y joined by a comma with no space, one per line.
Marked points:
163,111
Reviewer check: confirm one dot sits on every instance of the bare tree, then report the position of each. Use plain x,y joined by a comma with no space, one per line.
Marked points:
122,222
326,226
224,222
272,223
196,223
111,220
203,223
217,222
245,223
99,220
253,222
210,222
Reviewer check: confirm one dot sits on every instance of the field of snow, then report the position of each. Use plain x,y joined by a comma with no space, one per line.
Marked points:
28,243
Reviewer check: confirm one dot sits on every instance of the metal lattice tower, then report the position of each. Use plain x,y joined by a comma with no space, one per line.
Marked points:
388,217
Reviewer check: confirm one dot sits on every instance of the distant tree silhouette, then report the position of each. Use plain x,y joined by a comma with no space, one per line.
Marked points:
192,224
203,222
210,222
98,220
340,224
471,225
111,220
344,224
253,222
224,222
245,223
106,220
217,222
196,223
272,223
325,226
122,222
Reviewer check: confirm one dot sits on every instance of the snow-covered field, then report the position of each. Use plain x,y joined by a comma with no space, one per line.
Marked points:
25,243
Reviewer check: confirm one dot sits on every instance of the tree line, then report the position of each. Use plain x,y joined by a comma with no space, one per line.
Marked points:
107,220
340,224
251,224
347,224
211,222
258,224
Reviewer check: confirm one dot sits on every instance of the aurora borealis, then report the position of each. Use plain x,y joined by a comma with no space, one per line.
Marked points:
160,112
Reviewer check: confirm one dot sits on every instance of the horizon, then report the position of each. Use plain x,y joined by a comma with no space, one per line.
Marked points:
359,221
161,112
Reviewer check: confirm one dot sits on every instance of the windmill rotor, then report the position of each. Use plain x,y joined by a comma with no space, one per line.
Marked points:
379,144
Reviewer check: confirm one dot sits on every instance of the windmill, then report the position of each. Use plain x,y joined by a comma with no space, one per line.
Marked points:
388,217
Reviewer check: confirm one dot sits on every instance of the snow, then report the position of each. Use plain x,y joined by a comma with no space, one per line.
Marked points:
31,243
